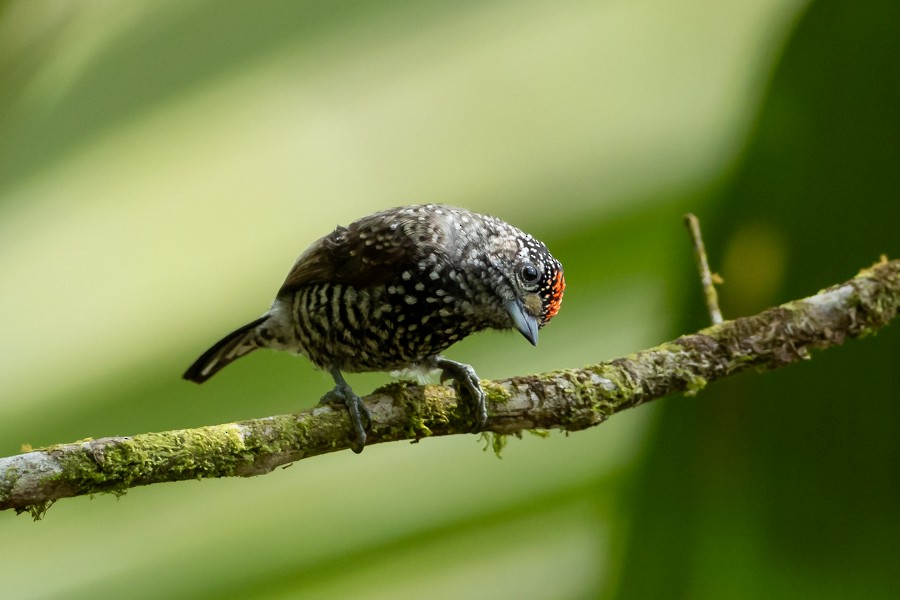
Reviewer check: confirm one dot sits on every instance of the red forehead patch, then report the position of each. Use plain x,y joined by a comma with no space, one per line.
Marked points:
557,287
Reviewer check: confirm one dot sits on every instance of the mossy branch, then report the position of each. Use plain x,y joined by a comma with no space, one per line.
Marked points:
569,400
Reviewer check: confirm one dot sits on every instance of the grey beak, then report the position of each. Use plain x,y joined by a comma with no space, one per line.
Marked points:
525,323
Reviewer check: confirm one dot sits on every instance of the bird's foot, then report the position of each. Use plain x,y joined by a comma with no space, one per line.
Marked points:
359,412
466,378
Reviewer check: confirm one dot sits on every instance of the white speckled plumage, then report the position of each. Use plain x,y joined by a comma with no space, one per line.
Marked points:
392,290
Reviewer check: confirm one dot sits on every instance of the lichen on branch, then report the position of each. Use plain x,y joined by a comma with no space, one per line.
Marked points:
569,400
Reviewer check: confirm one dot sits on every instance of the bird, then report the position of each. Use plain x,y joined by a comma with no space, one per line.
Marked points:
392,291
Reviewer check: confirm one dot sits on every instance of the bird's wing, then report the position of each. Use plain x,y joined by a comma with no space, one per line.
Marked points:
369,252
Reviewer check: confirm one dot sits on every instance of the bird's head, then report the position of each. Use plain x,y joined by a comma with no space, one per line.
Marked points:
537,284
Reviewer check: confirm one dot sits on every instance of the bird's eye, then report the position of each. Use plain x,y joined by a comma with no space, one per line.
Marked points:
529,272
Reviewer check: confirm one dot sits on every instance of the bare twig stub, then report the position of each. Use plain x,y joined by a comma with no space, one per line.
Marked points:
569,400
707,279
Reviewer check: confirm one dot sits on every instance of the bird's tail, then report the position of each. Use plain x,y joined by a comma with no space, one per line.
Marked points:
236,344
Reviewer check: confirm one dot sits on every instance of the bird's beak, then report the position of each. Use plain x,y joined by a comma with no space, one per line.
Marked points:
525,323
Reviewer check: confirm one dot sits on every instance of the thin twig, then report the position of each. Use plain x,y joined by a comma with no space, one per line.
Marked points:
569,400
707,278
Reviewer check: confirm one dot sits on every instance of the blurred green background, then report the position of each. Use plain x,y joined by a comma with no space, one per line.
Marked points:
163,163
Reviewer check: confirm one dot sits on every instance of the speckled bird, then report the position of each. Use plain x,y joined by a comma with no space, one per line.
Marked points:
392,291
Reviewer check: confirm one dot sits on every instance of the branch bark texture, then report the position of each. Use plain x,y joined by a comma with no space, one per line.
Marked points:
570,400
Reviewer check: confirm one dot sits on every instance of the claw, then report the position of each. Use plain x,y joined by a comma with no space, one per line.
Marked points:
343,394
465,376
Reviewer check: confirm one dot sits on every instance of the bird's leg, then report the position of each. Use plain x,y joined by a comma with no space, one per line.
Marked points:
465,376
343,394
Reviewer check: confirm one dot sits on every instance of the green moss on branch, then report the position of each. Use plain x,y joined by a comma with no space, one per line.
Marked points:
568,400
